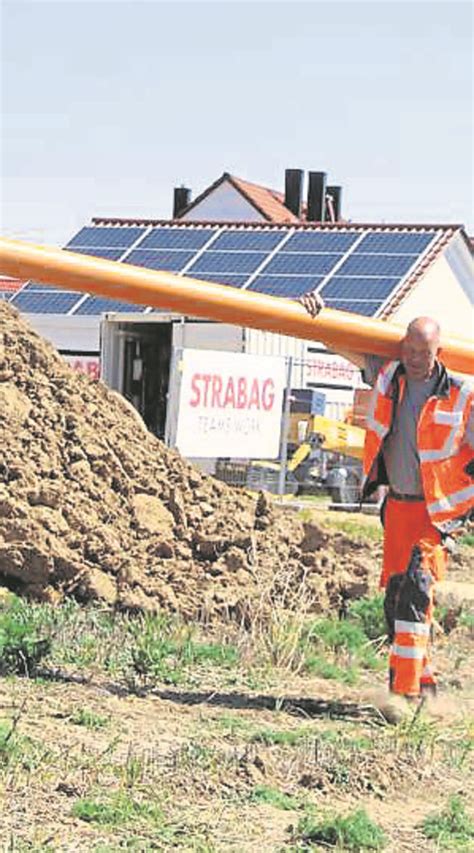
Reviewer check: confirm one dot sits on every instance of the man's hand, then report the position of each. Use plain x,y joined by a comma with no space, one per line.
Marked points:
312,302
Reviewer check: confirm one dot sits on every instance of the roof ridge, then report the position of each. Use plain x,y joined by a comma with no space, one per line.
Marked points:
301,225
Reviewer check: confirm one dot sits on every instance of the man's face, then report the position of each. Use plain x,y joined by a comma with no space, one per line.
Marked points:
419,355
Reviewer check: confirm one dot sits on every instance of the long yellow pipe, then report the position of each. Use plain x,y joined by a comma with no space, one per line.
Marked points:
337,329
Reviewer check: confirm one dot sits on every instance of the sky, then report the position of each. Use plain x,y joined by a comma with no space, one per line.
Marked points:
106,106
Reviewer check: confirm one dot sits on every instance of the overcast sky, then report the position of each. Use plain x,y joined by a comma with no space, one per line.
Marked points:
106,106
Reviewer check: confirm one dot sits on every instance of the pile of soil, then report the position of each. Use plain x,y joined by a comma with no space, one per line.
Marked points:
92,505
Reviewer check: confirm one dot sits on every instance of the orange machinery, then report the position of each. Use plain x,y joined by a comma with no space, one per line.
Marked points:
337,329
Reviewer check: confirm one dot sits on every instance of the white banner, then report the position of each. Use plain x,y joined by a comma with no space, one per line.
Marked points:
230,404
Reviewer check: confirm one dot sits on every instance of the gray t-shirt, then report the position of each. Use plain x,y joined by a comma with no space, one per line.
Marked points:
400,449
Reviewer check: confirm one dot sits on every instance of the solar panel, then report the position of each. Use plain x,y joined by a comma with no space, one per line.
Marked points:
177,238
354,287
59,302
389,242
106,238
159,259
228,262
366,307
320,241
379,265
303,263
99,305
260,241
280,285
359,268
108,254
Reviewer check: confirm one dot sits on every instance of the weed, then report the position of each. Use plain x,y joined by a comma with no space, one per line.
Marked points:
21,643
336,649
467,539
452,828
355,832
166,650
89,719
363,532
320,666
272,737
466,620
118,810
19,751
273,797
369,614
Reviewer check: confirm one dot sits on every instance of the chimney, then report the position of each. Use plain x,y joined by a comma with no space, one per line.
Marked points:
181,199
316,196
294,190
333,203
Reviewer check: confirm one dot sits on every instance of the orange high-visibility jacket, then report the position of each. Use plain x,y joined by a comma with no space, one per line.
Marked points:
446,459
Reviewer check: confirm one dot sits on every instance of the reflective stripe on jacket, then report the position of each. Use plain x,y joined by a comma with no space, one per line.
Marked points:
444,455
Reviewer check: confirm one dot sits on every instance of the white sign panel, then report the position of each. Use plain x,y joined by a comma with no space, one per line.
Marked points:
326,369
88,364
230,404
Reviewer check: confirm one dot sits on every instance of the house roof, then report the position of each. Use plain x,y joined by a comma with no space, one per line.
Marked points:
10,285
348,279
269,203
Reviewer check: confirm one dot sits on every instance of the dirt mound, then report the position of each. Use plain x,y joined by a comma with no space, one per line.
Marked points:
92,505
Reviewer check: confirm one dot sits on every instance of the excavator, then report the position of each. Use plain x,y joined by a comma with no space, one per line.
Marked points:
329,456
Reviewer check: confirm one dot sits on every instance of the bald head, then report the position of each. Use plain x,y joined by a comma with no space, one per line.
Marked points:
420,347
424,327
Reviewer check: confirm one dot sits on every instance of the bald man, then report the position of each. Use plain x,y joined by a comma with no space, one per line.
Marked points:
419,442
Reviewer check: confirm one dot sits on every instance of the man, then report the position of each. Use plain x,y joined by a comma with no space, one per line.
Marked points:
419,442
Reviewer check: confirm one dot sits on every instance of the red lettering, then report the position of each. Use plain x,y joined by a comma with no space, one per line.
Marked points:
241,392
254,399
268,394
229,398
206,377
194,401
216,391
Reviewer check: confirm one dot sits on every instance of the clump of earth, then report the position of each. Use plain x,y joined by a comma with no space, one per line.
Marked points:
93,506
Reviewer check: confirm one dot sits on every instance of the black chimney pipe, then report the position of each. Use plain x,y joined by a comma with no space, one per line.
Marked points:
335,194
181,199
294,190
316,197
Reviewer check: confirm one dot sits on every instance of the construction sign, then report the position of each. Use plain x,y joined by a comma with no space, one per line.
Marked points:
230,405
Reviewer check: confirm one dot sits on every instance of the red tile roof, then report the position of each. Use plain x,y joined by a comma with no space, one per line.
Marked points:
269,203
10,285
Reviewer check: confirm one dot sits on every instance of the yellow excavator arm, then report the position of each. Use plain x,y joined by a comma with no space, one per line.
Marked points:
338,437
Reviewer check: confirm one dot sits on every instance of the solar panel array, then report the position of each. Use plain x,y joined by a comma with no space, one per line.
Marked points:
355,270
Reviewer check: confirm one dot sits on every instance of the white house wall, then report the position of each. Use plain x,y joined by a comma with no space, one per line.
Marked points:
439,294
224,204
70,334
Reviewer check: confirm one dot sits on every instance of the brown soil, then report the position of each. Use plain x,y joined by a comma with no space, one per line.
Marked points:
92,505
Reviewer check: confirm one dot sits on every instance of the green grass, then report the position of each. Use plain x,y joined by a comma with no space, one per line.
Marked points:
368,533
274,797
18,751
368,613
353,832
89,719
167,651
339,649
23,642
452,829
467,539
121,809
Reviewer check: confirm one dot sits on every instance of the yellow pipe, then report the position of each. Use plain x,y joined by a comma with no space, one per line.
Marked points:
336,329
